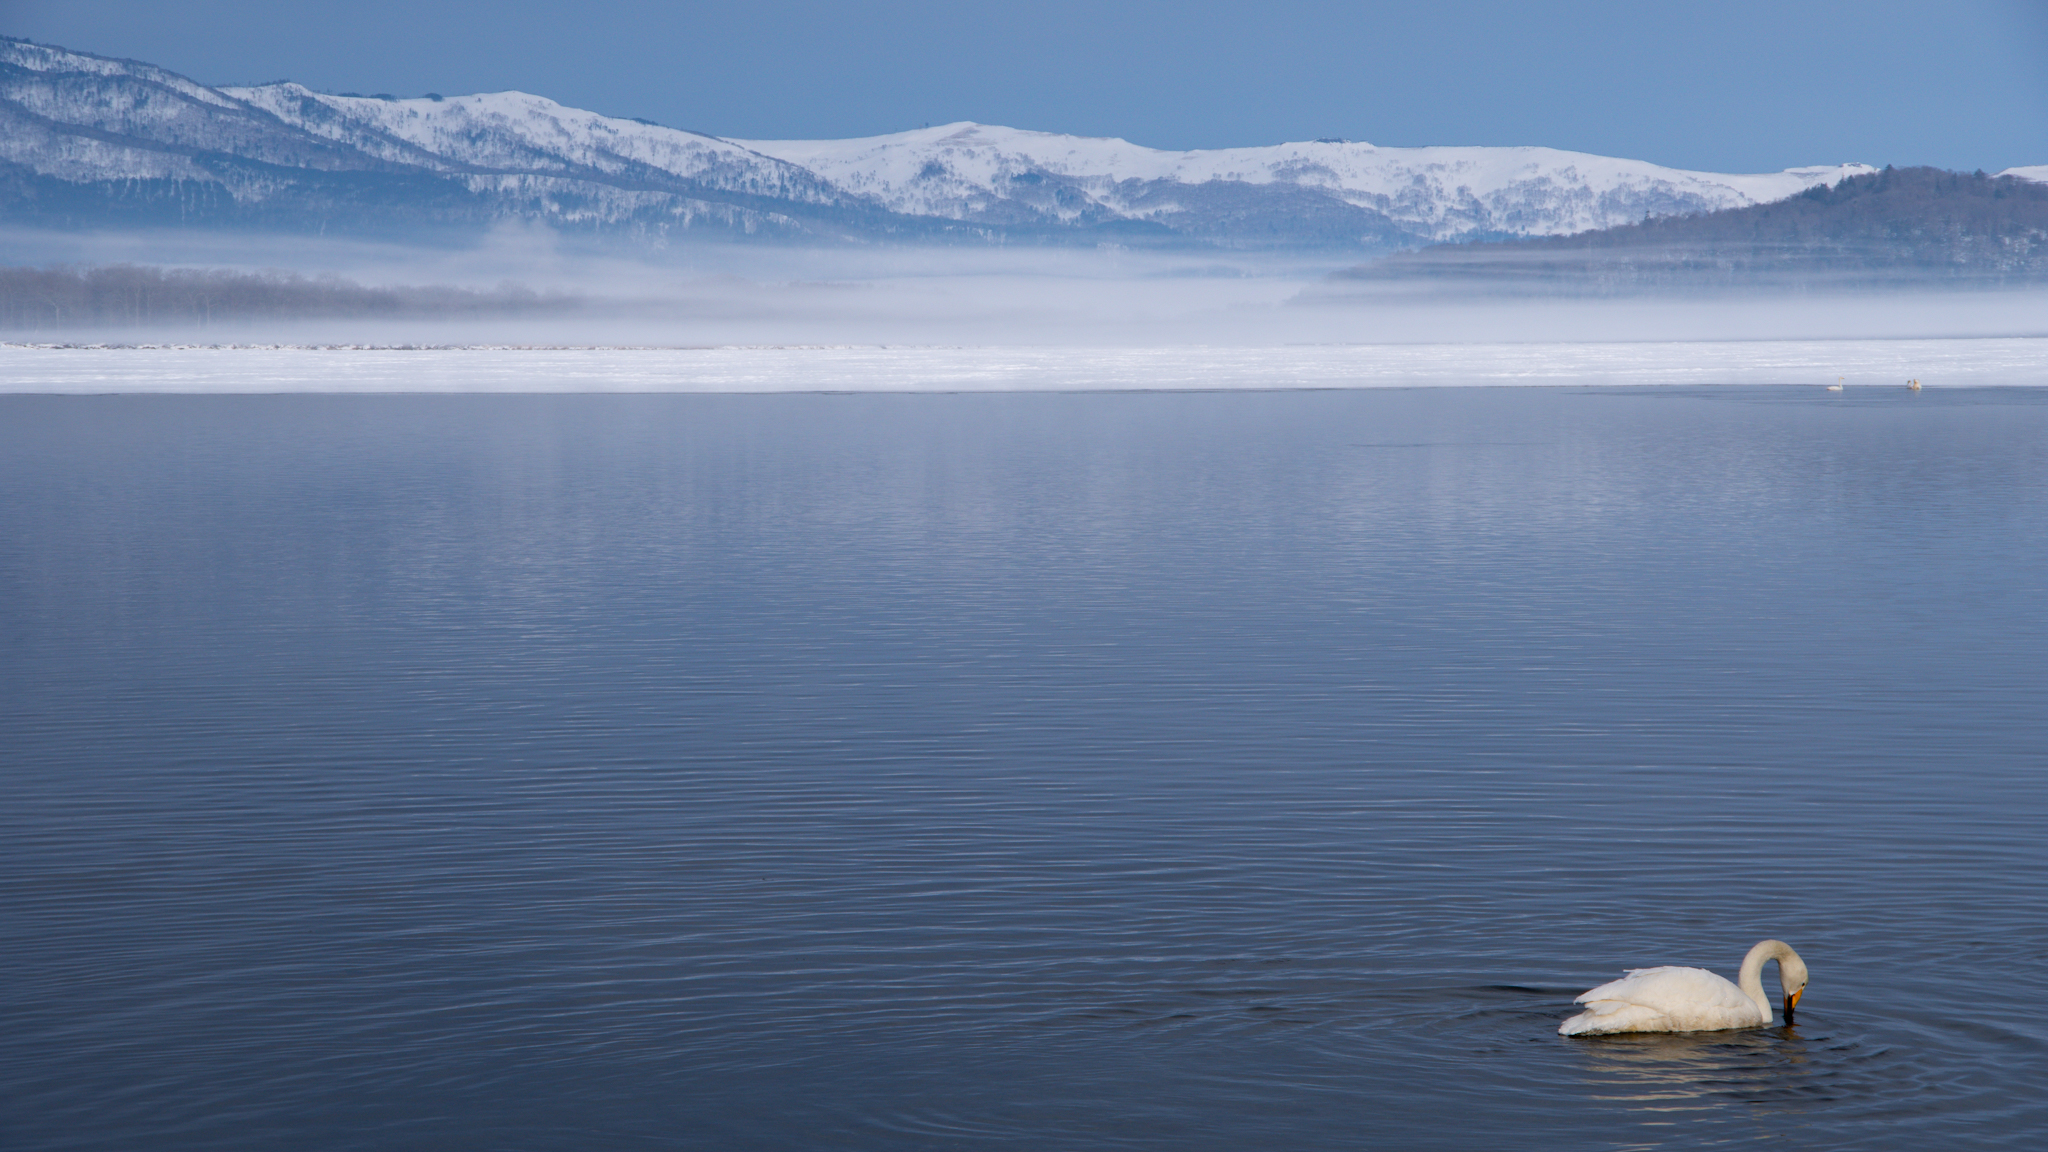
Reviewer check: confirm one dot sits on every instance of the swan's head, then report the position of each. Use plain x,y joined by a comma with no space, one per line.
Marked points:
1792,974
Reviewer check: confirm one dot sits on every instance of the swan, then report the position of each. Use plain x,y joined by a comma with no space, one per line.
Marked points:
1690,999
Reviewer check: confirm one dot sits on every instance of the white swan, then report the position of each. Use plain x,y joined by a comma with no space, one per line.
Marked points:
1690,999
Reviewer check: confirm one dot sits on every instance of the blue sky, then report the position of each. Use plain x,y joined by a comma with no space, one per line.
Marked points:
1739,85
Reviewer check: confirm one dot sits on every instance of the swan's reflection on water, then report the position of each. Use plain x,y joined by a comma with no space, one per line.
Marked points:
1694,1071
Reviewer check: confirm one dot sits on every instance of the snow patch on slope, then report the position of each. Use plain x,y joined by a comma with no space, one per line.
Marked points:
516,132
54,61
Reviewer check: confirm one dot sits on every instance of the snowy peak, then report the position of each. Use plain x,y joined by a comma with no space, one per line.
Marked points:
518,133
73,116
87,141
55,63
972,171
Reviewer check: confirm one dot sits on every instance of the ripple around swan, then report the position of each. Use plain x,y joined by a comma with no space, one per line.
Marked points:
1019,772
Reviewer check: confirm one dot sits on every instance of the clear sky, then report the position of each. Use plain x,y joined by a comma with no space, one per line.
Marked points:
1733,85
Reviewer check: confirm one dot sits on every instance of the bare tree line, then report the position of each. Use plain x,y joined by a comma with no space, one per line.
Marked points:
128,295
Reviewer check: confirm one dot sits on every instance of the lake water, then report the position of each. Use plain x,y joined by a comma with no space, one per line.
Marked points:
1035,771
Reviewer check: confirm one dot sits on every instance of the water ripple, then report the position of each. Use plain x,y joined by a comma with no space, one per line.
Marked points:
1016,771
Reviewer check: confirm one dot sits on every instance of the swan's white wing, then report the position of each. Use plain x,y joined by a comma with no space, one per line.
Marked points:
1671,988
1664,1000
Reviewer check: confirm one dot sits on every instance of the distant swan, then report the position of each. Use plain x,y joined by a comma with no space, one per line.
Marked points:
1690,999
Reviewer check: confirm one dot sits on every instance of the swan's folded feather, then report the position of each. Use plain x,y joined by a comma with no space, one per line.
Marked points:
1615,1016
1670,999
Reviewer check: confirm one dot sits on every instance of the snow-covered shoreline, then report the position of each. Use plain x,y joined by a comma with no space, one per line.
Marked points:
170,368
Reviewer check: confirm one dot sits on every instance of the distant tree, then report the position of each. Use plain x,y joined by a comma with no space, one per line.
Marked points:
128,295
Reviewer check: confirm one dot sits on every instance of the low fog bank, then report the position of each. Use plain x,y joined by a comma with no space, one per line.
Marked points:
1519,270
531,287
1854,367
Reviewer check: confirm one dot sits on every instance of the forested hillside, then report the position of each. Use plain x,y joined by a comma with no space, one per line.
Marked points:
1919,224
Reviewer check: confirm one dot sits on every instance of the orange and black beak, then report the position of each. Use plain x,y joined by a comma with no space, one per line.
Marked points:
1791,1002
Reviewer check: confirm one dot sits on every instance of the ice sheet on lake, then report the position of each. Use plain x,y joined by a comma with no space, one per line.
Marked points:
171,369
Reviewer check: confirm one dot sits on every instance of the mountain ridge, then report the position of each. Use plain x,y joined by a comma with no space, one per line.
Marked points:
1432,193
89,141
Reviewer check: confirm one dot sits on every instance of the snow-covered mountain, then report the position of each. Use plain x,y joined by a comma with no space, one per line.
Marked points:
495,139
979,172
79,118
89,141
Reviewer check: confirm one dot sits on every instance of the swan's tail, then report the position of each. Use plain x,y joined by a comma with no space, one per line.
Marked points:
1612,1016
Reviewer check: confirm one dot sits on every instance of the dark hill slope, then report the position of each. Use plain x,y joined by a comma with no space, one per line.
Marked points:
1901,224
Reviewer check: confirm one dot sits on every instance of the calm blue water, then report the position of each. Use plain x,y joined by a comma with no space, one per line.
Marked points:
1173,771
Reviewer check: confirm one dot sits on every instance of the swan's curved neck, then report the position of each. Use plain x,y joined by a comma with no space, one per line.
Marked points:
1752,979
